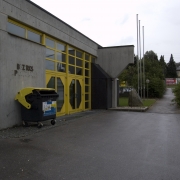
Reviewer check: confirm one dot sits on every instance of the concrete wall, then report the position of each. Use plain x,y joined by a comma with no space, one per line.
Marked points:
30,14
13,51
12,80
115,59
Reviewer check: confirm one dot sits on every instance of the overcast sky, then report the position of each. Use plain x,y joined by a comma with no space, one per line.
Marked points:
113,22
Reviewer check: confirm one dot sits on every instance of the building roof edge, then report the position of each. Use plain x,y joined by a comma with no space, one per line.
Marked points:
115,46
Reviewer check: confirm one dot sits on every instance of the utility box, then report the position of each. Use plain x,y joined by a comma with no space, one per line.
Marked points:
37,104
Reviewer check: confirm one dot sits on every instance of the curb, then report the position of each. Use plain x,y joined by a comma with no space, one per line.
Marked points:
134,109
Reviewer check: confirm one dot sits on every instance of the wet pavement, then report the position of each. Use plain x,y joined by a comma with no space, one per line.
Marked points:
99,145
20,131
165,105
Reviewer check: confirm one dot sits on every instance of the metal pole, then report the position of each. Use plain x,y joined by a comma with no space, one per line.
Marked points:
143,64
140,59
147,90
137,54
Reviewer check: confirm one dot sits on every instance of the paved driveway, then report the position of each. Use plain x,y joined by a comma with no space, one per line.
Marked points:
165,105
105,145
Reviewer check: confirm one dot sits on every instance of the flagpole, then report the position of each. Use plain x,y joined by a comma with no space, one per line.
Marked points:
143,64
137,54
140,58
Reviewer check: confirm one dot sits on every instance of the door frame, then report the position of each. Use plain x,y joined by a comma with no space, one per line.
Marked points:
80,79
63,79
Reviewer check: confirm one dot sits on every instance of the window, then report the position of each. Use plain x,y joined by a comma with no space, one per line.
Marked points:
71,51
56,52
78,71
49,65
61,47
86,73
50,43
79,62
16,30
86,97
51,83
87,65
71,69
86,88
86,80
23,31
86,57
61,57
34,37
61,67
50,54
79,54
71,60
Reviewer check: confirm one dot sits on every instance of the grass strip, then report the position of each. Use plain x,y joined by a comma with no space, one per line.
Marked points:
123,102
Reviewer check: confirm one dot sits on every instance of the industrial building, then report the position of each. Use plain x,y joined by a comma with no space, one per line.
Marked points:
39,50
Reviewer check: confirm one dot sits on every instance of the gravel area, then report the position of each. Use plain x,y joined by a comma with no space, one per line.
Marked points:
20,131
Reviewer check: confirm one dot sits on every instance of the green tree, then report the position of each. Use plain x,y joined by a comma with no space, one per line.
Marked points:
171,68
123,76
135,60
163,65
129,73
153,72
151,55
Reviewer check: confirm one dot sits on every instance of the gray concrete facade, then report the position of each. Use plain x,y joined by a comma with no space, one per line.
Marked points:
115,59
13,80
17,53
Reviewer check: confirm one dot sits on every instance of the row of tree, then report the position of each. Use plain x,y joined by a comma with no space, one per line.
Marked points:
155,70
169,69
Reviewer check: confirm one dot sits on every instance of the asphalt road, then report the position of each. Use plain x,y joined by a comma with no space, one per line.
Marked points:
106,145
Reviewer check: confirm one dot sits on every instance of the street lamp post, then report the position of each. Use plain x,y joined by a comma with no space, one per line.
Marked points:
147,81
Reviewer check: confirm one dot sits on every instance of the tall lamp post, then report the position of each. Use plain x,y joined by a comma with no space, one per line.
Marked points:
147,81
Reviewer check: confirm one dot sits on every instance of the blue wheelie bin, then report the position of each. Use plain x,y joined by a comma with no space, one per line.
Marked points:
37,105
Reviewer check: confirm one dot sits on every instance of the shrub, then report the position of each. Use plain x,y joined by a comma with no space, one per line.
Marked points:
177,94
156,87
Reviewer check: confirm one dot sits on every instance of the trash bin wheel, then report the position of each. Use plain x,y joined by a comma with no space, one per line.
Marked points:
53,122
39,125
25,124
